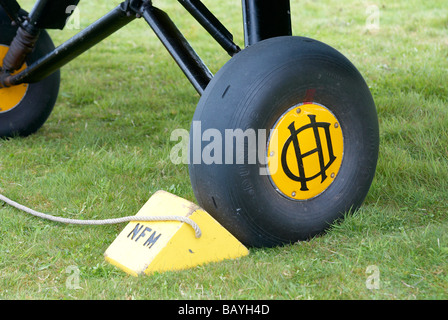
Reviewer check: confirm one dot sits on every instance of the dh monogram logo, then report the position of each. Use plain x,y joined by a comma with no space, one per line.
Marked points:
294,139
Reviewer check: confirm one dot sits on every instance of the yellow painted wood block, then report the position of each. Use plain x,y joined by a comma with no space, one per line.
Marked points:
147,247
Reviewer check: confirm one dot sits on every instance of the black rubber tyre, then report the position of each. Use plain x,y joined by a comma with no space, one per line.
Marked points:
36,105
252,91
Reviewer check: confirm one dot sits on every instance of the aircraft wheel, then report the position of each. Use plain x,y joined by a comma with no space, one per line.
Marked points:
284,141
24,108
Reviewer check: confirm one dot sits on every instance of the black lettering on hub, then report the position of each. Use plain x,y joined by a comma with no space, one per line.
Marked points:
293,138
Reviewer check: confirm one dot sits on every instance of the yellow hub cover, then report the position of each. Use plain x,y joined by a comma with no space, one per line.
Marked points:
11,97
305,151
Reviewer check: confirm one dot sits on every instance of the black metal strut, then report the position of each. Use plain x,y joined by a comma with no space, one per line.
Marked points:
262,19
179,48
165,29
210,23
265,19
72,48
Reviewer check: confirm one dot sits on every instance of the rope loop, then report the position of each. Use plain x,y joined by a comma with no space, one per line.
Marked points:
16,205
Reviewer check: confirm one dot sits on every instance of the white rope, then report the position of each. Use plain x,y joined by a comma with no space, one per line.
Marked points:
16,205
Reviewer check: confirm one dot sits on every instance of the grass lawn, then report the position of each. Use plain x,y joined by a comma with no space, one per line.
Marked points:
105,150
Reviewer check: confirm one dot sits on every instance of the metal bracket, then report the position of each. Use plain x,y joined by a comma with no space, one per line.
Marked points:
12,9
